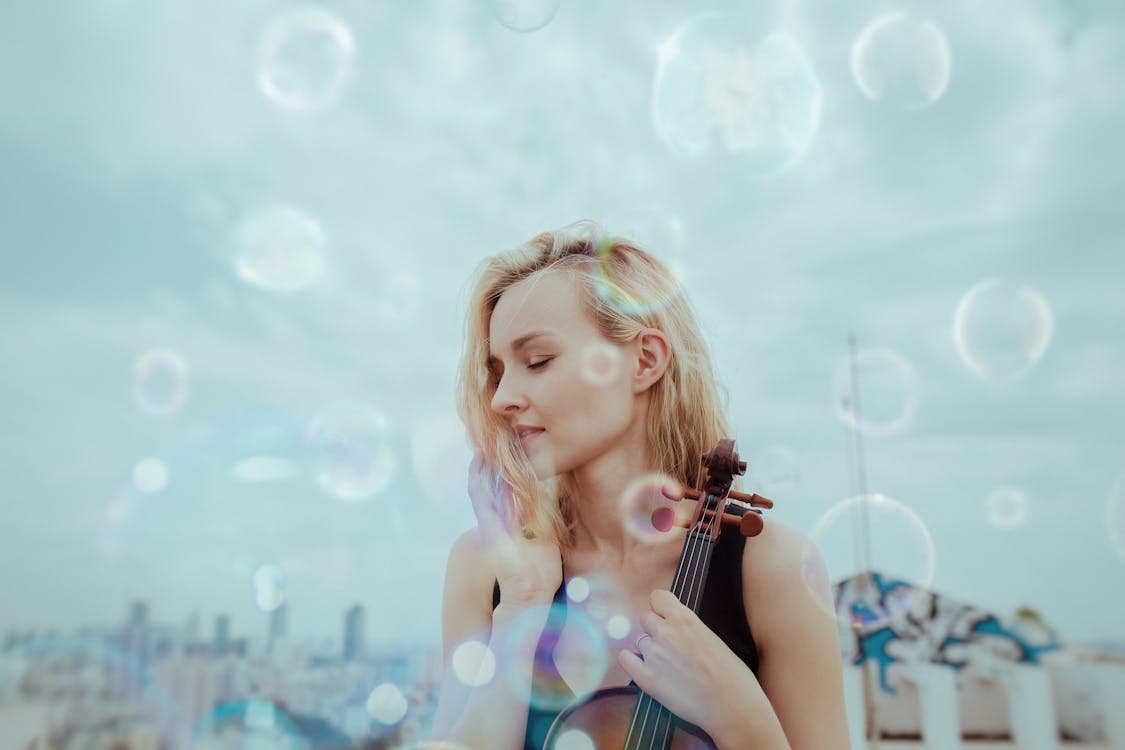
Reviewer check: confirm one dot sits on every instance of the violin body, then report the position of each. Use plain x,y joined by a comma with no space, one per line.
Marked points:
605,717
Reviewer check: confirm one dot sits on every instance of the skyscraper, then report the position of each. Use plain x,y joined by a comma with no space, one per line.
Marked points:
353,633
222,635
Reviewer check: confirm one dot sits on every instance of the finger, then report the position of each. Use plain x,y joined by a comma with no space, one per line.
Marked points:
651,623
665,603
635,668
672,490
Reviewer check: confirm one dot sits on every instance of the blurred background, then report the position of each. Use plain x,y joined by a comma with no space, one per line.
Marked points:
236,242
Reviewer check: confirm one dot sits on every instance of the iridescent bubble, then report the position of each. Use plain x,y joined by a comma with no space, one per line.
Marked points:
160,382
524,15
1006,508
902,60
618,627
777,469
269,587
1115,516
736,96
876,393
570,655
1001,330
305,59
610,288
875,533
474,664
574,739
351,451
278,248
150,475
578,589
649,515
600,363
386,704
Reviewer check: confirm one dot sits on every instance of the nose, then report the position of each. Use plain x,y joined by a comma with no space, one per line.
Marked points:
508,399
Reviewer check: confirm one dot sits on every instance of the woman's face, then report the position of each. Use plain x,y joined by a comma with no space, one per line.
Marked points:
565,388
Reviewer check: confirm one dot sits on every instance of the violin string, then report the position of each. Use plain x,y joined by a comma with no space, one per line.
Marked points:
696,547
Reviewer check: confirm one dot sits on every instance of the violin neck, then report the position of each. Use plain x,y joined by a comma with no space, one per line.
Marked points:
651,727
691,572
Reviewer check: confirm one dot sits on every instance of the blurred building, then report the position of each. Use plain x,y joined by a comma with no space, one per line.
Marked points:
354,626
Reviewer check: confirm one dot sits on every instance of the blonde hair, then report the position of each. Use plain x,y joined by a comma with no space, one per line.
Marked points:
627,290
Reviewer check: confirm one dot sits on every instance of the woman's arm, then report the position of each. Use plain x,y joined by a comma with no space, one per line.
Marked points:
491,715
791,614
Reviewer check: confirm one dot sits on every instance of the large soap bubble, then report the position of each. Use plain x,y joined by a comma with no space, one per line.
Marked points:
902,60
1001,330
736,96
350,446
305,59
524,15
278,248
875,392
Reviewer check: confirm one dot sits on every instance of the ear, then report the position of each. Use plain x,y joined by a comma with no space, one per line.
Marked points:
653,354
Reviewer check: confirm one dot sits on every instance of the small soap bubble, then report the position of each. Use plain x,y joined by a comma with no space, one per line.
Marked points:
876,392
386,704
875,533
569,659
1001,330
1006,508
574,739
351,451
150,475
601,363
160,382
902,60
650,516
269,587
278,248
577,589
305,59
618,627
736,95
524,15
474,663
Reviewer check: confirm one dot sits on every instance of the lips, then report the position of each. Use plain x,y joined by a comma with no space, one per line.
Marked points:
524,433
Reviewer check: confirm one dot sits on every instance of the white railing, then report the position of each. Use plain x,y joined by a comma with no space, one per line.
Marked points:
1027,690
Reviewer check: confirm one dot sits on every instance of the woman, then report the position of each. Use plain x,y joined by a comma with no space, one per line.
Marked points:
584,370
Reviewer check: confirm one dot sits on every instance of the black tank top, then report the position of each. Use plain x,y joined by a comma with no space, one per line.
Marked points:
721,609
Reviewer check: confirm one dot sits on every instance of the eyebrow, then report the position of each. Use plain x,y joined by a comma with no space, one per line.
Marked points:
518,344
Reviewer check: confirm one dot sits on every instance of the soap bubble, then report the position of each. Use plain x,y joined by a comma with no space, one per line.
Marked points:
305,59
278,248
160,382
351,450
876,392
902,60
386,704
1006,508
1001,330
650,516
524,15
570,655
735,96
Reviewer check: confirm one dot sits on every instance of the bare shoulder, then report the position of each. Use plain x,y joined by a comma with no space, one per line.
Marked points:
783,574
467,599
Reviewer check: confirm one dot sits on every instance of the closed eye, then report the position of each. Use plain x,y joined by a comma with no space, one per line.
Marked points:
540,364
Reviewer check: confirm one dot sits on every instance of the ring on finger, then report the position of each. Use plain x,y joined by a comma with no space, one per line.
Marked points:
640,638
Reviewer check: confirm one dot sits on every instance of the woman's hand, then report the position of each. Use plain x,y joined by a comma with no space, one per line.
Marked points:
529,571
685,666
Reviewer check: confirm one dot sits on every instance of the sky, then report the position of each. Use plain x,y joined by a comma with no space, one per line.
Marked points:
236,241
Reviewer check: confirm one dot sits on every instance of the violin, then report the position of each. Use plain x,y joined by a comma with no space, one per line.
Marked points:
627,717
